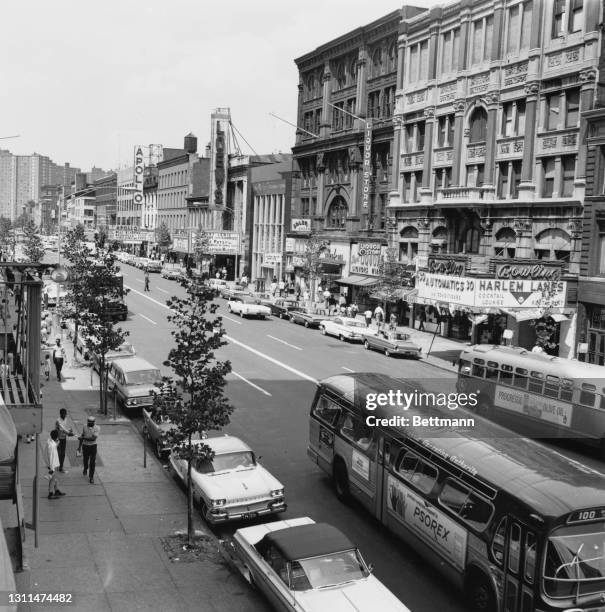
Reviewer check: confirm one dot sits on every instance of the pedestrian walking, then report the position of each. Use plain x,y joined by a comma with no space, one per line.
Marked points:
327,295
393,322
282,288
64,430
51,456
368,317
342,302
146,279
88,446
422,319
45,366
379,315
306,297
58,357
354,310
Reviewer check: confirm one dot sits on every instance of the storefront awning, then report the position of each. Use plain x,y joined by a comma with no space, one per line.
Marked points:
406,294
358,280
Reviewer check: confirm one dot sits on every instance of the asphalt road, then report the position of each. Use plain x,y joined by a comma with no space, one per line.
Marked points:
275,364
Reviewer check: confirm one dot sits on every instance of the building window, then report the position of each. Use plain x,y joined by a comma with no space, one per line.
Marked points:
352,74
305,210
577,11
450,48
516,178
558,18
548,177
445,131
439,240
478,126
503,180
388,102
412,181
418,62
420,136
572,107
601,250
408,245
338,116
337,214
553,244
377,62
519,28
392,59
505,243
443,178
513,118
374,104
341,79
553,102
568,163
483,31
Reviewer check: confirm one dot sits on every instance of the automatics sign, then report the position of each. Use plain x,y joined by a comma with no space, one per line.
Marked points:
436,529
223,243
139,172
444,288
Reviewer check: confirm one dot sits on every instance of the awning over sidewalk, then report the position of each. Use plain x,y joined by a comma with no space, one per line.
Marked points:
406,294
358,280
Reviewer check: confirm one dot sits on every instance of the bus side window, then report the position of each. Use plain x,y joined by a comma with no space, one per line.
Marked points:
327,410
514,548
520,379
478,371
587,395
536,382
498,542
506,374
492,370
530,557
416,471
471,508
551,388
464,366
356,431
602,402
566,393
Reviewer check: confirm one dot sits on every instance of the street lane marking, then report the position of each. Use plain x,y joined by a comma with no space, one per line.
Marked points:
284,342
251,383
241,344
347,369
230,319
138,280
162,290
147,319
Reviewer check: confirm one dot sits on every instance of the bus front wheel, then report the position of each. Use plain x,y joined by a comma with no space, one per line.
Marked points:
341,480
480,594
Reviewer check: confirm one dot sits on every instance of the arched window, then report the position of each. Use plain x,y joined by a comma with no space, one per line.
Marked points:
392,58
353,71
439,240
553,243
341,80
506,239
469,234
478,126
311,87
337,214
377,62
506,235
408,245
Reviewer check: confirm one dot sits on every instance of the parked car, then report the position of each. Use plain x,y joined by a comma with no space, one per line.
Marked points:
124,350
173,271
156,428
282,308
133,380
343,328
394,343
232,289
303,566
233,485
117,310
216,284
153,265
248,306
306,317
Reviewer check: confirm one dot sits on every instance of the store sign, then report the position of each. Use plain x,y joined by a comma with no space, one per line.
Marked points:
491,292
218,157
431,525
180,244
366,258
301,226
298,262
528,271
290,244
139,172
451,267
367,164
535,406
272,258
223,243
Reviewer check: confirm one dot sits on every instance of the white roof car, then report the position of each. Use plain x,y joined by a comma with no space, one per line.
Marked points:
344,328
233,486
248,306
310,567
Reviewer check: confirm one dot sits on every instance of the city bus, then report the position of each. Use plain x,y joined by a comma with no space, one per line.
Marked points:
536,394
516,525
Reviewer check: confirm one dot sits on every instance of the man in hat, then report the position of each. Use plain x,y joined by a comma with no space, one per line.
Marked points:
88,444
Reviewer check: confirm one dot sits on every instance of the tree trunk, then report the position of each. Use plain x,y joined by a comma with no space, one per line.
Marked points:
190,530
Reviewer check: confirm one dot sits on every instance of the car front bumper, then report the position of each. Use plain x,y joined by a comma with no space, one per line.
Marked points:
241,513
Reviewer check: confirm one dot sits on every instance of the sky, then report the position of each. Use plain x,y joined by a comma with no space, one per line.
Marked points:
83,82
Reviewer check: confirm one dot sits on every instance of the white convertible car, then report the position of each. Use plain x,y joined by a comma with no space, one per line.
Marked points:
344,328
233,486
305,566
246,306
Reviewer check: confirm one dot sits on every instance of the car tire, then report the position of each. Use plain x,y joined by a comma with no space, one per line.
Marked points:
341,337
291,319
228,307
241,314
323,331
366,345
306,324
480,594
387,353
341,480
203,509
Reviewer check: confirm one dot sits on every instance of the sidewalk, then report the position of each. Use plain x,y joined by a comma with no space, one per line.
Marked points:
103,542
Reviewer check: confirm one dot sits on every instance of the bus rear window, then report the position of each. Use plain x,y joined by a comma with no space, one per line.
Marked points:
327,410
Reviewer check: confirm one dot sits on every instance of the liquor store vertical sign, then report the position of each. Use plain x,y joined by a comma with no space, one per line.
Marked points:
138,178
367,164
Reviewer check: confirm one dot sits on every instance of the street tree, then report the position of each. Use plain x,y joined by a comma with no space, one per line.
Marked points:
33,249
164,239
101,237
312,261
7,239
194,400
392,277
200,246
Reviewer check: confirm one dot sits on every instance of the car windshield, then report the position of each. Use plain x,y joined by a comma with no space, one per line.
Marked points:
329,570
354,324
249,300
575,561
400,336
143,377
226,461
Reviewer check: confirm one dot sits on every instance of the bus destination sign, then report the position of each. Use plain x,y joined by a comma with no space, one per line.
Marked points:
586,516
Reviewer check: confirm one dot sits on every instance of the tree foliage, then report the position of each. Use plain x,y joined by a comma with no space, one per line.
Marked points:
392,277
33,249
200,244
194,400
164,239
7,239
312,262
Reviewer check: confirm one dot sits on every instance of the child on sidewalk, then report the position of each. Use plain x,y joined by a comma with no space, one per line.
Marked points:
46,366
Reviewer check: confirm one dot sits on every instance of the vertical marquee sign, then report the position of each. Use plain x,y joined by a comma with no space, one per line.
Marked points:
138,178
218,157
367,163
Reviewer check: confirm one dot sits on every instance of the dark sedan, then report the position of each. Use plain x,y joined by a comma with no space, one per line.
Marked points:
307,317
282,308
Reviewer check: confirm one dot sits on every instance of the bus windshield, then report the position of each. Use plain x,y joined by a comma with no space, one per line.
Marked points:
575,561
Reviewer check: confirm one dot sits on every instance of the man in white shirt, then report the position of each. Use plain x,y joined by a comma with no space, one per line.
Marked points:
51,456
58,358
64,430
88,443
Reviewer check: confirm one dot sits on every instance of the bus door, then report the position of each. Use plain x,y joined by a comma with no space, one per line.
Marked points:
520,568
